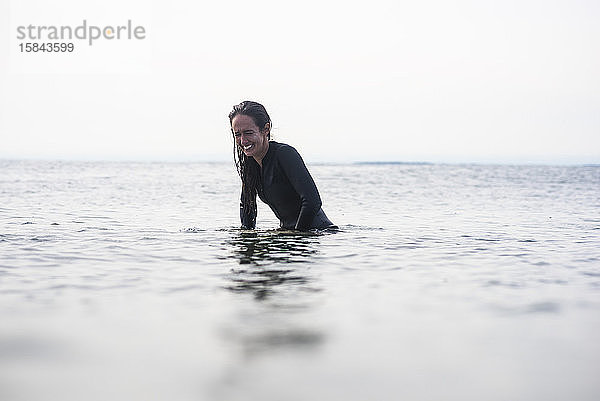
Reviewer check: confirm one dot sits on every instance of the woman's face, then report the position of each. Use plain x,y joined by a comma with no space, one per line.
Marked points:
249,137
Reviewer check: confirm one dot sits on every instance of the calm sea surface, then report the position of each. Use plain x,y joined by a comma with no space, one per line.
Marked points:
131,281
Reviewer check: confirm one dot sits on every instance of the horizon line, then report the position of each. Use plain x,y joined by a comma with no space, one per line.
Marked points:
320,162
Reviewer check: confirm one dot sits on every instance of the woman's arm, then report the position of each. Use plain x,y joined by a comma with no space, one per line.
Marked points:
248,212
296,171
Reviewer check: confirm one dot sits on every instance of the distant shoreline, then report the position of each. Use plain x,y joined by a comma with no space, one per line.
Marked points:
397,162
316,162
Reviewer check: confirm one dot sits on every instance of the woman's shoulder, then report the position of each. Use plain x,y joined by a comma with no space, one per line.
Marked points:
286,155
282,148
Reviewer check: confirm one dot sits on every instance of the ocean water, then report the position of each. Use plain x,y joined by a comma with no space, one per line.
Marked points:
132,281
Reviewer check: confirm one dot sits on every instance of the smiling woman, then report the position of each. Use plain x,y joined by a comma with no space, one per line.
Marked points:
273,171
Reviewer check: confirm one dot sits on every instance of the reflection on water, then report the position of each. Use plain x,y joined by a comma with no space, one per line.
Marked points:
259,248
263,253
261,282
275,339
273,268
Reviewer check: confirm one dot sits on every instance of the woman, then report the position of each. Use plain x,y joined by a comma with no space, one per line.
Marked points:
275,171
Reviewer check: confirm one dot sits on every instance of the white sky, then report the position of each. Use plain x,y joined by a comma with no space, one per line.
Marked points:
460,81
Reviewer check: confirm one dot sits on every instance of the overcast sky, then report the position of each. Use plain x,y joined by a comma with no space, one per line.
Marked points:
461,81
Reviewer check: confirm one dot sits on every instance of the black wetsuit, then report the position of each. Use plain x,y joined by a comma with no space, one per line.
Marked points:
289,190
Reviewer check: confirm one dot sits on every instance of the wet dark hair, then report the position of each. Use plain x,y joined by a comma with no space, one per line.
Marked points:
255,110
247,168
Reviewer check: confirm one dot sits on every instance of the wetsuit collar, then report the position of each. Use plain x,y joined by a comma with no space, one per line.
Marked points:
269,153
